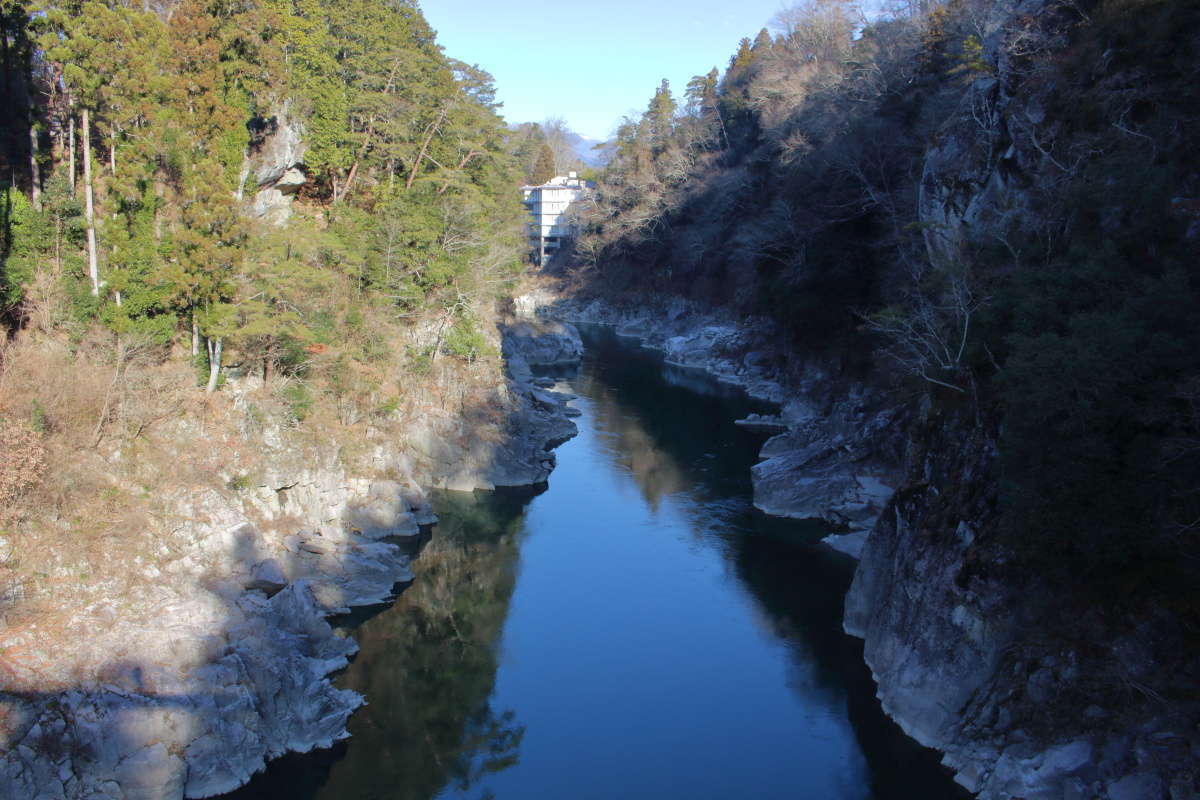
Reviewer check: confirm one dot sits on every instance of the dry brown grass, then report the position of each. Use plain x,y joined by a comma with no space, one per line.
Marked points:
103,435
23,465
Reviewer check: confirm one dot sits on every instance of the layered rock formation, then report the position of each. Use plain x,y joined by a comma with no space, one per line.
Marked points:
948,642
222,661
839,453
275,162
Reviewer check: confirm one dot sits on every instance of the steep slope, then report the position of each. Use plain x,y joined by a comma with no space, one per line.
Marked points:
973,230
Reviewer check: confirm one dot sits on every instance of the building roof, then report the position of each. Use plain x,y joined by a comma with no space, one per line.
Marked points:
562,182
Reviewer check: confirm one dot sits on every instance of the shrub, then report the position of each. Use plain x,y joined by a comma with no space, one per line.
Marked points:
465,341
299,400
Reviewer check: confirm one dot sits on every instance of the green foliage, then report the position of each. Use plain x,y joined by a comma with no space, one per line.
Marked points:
465,341
420,360
1099,340
310,52
388,407
660,117
404,148
24,236
238,483
299,400
38,420
971,62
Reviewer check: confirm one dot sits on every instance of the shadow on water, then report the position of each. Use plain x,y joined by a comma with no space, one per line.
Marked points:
427,665
672,429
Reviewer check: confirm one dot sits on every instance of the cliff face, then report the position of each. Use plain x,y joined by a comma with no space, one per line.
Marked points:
1016,446
1028,690
1027,685
214,655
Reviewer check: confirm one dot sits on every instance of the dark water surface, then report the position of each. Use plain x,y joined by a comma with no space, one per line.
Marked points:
636,631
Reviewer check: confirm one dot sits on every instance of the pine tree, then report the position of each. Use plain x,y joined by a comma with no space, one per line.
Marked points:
210,237
743,57
660,117
543,168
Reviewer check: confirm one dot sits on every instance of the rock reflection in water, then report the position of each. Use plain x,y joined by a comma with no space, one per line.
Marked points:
673,431
427,665
665,638
661,419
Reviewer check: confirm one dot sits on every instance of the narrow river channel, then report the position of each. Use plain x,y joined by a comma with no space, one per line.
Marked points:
638,630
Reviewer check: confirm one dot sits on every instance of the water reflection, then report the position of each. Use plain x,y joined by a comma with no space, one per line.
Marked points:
427,666
673,432
665,639
662,421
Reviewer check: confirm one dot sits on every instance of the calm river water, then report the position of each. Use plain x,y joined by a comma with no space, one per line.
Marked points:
636,631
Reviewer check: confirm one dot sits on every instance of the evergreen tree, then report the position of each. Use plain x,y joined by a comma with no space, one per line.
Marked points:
543,168
660,117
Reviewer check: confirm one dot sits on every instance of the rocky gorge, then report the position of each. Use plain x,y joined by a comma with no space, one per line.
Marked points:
955,249
950,650
223,660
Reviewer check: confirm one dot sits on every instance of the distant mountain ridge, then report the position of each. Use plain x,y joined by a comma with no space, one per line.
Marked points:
584,148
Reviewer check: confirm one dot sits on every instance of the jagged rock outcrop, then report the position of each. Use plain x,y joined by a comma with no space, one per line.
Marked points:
524,456
228,654
1005,676
542,343
222,661
832,463
838,458
274,164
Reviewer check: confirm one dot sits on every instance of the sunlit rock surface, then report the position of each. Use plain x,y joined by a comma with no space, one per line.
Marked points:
222,662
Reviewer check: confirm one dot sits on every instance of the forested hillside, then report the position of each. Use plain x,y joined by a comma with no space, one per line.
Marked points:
146,246
252,257
132,137
999,203
970,227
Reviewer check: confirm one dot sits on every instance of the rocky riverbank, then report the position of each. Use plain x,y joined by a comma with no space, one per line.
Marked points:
221,658
1028,692
837,450
1066,714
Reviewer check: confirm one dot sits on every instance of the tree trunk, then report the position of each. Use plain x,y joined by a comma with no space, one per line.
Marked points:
71,150
214,365
35,172
433,129
58,239
362,151
89,208
349,180
195,335
243,175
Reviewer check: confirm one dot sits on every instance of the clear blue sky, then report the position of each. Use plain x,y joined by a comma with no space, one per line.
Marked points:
592,62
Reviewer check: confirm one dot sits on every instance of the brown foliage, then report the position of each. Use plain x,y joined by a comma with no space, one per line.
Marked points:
22,466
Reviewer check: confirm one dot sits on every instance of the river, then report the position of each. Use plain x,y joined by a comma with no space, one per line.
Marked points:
638,630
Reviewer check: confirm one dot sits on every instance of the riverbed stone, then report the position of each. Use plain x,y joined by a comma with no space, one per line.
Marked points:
542,342
1139,786
267,577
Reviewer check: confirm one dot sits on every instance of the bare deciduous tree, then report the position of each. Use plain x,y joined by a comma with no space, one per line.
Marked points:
928,334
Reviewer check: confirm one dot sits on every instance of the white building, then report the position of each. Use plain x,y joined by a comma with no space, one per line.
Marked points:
548,205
